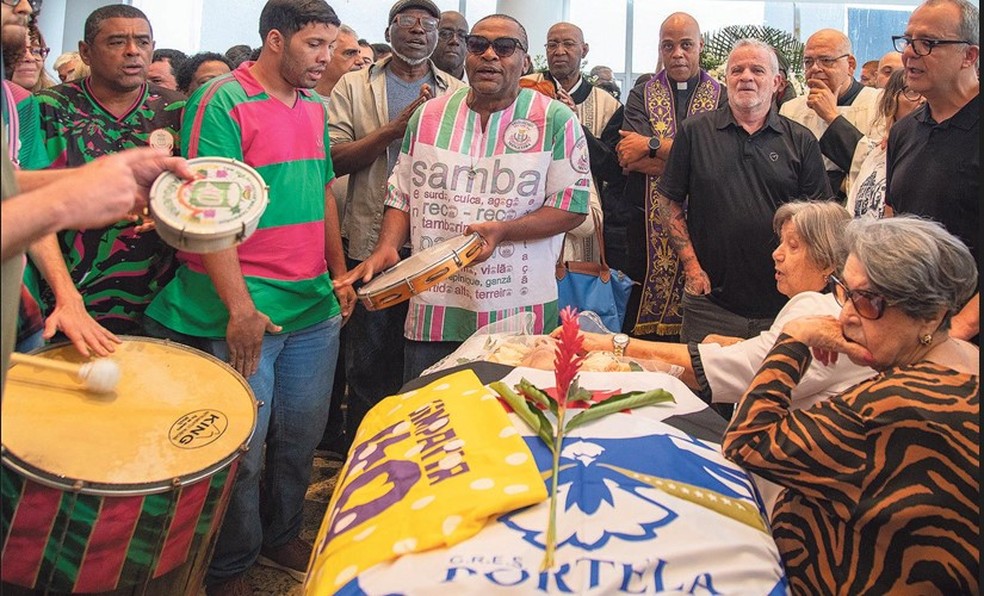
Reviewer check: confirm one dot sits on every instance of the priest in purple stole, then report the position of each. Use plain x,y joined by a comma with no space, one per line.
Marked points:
654,111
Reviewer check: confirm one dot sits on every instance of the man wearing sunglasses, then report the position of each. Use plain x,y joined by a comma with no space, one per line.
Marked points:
368,113
934,155
838,109
515,170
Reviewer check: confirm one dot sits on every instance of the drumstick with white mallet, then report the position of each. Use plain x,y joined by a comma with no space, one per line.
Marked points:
100,375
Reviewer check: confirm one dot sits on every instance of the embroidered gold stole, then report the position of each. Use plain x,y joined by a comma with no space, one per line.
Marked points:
662,289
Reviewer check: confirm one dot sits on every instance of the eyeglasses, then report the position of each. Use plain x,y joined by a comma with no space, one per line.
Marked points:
449,34
922,47
502,46
40,53
407,21
823,61
567,44
910,95
868,305
35,4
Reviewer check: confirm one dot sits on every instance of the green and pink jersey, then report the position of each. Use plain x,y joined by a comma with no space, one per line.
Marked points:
117,270
452,173
283,262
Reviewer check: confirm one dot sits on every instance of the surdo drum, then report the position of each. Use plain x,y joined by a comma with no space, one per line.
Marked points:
121,491
219,209
420,272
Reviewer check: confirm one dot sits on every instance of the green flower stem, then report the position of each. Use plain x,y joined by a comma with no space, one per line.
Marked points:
551,542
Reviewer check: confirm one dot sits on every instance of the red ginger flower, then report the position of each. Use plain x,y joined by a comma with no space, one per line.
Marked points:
568,360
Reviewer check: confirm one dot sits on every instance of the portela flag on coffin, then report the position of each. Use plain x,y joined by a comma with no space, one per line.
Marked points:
427,469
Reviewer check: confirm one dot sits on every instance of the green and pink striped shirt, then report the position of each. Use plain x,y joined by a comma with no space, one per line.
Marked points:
452,173
283,262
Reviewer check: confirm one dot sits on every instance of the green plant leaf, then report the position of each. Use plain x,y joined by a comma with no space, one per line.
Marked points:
718,44
546,431
534,394
576,394
518,405
634,399
532,416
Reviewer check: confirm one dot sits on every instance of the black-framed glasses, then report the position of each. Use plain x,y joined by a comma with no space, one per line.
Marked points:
407,21
923,47
824,61
502,46
867,304
449,34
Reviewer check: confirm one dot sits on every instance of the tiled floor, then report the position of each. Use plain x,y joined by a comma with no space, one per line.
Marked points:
272,582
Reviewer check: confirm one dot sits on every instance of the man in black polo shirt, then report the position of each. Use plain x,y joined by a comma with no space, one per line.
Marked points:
934,154
734,167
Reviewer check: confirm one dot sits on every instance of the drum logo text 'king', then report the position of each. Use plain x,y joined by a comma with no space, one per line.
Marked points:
197,429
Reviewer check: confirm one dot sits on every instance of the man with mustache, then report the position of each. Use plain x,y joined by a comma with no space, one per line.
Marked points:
732,168
368,113
100,280
270,300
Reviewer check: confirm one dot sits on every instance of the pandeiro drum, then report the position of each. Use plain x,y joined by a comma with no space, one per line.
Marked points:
218,210
124,490
420,272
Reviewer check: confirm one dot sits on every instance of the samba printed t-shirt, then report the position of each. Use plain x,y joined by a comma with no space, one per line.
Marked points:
452,173
283,262
117,270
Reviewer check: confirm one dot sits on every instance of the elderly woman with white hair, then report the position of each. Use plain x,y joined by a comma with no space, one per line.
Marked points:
881,491
811,248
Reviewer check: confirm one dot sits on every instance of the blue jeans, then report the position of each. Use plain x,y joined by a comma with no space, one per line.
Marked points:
32,342
294,383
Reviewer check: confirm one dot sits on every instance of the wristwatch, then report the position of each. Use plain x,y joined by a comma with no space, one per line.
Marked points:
654,143
619,342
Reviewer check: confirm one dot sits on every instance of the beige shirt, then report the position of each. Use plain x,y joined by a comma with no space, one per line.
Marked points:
357,106
11,271
594,113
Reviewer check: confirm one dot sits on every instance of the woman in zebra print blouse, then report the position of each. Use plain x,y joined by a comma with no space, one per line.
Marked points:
881,491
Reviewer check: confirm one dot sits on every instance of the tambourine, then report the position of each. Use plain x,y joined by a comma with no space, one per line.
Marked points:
219,209
420,272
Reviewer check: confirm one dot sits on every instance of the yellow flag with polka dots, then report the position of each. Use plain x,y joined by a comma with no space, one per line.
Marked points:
427,469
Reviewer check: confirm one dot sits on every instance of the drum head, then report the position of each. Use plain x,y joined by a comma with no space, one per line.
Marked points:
227,198
444,257
176,415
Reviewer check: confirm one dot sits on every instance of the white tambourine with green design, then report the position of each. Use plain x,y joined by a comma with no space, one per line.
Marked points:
219,209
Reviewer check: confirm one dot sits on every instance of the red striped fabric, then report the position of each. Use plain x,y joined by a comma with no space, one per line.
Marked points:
29,532
182,529
108,543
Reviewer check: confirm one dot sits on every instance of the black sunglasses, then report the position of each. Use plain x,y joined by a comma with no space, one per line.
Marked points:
868,305
502,46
